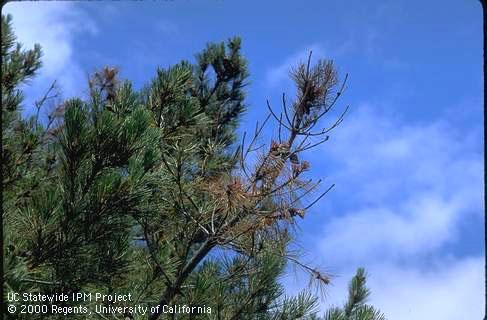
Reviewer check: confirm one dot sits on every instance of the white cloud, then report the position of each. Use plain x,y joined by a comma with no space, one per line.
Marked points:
412,186
379,233
55,26
449,290
403,192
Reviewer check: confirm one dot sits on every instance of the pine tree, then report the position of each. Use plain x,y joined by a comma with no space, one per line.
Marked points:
148,192
21,148
356,308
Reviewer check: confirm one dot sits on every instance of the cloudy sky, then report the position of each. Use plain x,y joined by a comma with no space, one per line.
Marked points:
407,160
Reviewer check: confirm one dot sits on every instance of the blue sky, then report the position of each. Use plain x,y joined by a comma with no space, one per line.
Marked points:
407,160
